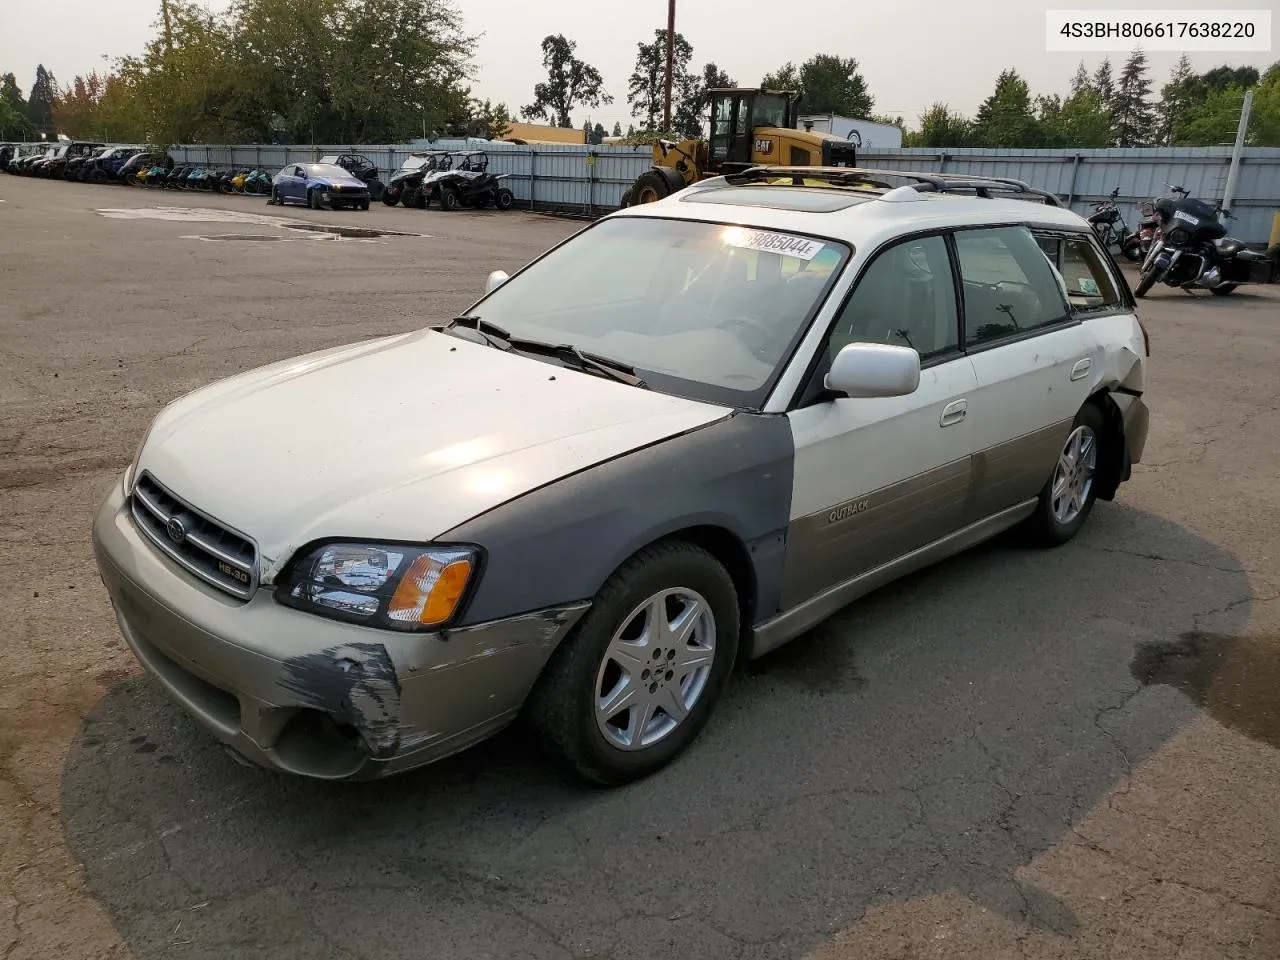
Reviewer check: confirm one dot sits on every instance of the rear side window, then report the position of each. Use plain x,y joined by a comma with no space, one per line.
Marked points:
1009,286
1089,283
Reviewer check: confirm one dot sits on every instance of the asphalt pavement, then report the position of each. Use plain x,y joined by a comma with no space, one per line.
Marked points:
1018,753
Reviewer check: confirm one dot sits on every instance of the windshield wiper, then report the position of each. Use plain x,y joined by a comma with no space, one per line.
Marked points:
565,352
587,362
495,335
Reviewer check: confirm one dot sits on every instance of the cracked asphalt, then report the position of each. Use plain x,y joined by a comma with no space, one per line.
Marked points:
1015,754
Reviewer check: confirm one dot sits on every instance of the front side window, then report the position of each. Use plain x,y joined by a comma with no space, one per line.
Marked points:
905,297
770,111
1009,286
699,309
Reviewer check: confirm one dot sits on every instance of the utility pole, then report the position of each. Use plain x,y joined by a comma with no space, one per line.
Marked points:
168,27
1233,176
671,60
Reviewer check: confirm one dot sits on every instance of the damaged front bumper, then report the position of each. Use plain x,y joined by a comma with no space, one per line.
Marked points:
305,695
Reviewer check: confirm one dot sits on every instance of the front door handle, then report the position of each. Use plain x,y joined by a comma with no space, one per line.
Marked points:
953,413
1081,369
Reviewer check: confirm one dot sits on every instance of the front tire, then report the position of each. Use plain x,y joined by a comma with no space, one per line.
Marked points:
391,196
638,678
1223,290
1145,283
449,199
504,199
1068,497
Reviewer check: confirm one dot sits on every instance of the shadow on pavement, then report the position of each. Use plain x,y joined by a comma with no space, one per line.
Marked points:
936,736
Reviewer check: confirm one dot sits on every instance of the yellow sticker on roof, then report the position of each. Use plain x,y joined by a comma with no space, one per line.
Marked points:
768,241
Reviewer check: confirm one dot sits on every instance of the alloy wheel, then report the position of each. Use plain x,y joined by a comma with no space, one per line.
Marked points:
655,668
1073,477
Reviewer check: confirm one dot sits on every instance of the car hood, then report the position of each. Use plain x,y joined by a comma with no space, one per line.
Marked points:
339,181
400,438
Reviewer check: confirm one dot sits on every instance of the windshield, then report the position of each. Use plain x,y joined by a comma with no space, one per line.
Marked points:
699,309
327,170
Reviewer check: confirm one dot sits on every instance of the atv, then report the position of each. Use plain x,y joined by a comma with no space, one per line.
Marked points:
360,167
405,185
467,183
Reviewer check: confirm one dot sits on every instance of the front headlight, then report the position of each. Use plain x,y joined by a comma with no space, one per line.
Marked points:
391,586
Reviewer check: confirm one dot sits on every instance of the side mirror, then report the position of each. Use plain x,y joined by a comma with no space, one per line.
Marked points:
496,279
874,370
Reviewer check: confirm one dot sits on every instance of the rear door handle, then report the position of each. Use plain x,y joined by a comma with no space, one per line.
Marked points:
953,413
1081,369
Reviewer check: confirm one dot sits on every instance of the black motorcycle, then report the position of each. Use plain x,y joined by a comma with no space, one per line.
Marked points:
1191,250
1108,223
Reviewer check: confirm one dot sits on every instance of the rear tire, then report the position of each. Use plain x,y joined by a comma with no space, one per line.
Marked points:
662,630
449,199
504,199
1068,496
1223,290
364,204
391,197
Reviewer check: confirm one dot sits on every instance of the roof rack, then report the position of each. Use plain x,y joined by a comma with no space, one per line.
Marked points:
877,179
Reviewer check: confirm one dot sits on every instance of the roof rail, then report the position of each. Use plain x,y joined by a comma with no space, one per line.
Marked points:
877,179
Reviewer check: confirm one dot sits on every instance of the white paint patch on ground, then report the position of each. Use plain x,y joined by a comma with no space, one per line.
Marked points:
343,231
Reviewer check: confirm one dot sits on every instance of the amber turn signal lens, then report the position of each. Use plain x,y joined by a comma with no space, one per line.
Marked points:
429,591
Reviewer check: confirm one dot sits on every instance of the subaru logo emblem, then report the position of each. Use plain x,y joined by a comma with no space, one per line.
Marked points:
176,529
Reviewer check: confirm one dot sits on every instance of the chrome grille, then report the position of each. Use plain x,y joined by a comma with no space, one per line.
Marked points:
194,541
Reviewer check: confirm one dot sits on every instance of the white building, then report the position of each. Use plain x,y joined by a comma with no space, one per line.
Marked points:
864,133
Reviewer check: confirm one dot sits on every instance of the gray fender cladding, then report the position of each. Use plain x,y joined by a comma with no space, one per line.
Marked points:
560,543
357,683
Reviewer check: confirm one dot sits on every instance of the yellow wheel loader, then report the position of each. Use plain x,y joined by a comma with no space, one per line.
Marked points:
749,127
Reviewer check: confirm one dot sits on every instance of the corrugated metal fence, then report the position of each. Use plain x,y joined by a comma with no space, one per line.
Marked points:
591,179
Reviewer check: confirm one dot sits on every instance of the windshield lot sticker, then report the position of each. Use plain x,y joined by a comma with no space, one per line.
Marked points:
766,241
1089,285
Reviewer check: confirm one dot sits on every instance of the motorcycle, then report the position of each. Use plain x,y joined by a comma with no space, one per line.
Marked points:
1138,244
1191,250
1108,223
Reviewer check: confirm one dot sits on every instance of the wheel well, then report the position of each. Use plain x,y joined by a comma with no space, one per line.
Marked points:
1114,468
732,554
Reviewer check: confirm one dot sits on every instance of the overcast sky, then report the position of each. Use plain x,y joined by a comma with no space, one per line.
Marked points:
912,52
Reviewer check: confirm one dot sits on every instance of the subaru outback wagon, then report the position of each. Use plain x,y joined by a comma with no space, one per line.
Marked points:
673,442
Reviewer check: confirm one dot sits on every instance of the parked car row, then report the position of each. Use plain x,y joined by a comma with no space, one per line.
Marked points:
450,180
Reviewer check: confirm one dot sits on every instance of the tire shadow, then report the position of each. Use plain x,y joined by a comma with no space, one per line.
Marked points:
935,736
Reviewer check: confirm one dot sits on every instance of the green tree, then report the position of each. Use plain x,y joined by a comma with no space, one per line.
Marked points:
941,127
1103,83
1083,122
827,84
13,109
183,84
1214,120
785,78
1265,124
617,129
398,66
495,115
1133,118
570,83
44,93
1177,97
1081,80
1005,119
646,88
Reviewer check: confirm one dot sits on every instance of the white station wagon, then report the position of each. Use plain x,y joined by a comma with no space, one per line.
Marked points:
675,441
